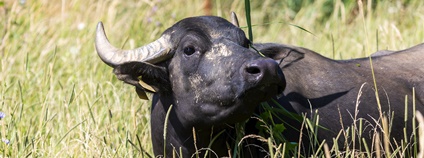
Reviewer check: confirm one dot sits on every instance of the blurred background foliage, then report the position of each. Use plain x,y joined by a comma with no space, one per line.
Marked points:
60,100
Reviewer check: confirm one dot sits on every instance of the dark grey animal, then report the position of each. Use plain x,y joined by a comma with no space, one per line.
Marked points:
342,92
205,75
203,67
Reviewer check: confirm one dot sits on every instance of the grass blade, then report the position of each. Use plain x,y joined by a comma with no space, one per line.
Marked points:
303,29
69,131
165,129
248,20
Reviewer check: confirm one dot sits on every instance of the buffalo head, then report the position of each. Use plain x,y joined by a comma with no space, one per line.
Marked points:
203,66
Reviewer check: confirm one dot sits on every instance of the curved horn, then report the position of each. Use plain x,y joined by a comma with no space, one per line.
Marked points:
154,52
234,19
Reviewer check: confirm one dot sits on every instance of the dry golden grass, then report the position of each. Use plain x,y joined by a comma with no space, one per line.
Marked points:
60,100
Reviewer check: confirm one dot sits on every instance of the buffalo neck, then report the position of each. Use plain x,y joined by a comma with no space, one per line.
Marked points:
179,136
313,77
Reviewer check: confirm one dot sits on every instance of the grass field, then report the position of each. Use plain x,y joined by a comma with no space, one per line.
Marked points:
61,100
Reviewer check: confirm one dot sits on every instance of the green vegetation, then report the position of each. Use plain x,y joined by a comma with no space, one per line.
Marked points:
60,100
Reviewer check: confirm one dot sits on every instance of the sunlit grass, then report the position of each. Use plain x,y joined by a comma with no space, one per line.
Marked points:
60,100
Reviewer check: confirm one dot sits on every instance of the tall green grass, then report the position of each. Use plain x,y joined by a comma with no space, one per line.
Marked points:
60,100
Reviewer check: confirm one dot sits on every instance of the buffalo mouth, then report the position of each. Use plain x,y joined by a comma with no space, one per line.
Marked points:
262,92
247,102
241,107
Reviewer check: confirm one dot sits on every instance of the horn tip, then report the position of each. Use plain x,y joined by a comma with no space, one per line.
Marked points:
103,46
100,26
234,19
100,35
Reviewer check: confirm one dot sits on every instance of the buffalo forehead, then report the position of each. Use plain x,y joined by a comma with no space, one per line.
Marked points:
219,50
223,62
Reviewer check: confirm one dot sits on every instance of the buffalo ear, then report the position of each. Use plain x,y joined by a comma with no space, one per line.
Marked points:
144,76
283,54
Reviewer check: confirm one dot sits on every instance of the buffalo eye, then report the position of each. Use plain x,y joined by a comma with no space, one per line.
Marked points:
189,50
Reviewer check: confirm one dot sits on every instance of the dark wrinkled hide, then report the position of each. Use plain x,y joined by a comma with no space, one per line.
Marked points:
332,87
213,81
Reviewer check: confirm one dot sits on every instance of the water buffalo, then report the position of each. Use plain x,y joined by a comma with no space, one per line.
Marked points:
205,78
342,92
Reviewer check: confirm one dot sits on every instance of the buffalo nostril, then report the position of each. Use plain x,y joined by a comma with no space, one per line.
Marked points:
253,70
263,72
